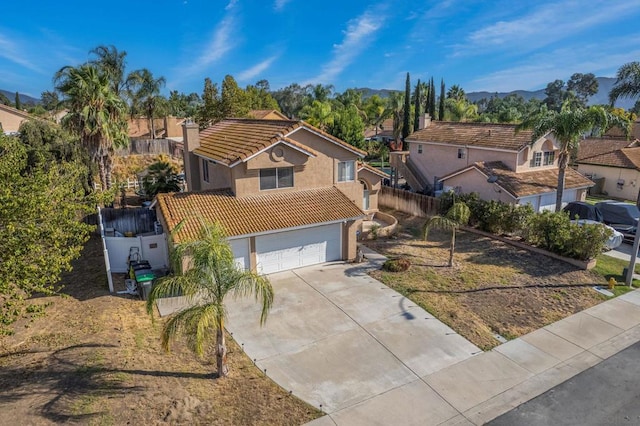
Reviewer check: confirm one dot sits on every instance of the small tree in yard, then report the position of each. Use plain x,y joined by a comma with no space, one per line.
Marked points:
210,276
161,177
458,215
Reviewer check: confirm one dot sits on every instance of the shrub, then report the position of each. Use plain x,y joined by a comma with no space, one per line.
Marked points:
502,218
396,265
555,232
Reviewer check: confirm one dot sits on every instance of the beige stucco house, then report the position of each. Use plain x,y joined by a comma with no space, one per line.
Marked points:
11,118
288,194
613,163
267,114
493,160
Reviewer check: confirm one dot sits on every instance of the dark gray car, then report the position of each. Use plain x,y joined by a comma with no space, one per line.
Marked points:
621,216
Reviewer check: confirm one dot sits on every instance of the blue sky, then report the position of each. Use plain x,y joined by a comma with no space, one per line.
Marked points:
479,45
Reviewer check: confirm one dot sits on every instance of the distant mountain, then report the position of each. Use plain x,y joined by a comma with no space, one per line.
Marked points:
24,99
602,97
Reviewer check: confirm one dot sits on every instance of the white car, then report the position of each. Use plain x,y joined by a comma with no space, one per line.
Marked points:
614,241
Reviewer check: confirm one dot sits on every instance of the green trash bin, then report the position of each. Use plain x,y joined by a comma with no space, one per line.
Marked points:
145,283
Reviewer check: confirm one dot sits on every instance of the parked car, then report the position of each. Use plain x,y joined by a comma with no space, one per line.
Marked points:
614,240
621,216
583,210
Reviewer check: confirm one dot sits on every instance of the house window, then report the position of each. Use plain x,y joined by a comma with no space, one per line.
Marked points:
419,149
205,170
536,161
346,171
461,153
549,157
276,178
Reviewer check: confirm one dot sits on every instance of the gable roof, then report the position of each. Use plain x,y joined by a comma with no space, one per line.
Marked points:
485,135
592,147
626,158
526,183
378,172
14,111
256,214
267,113
236,140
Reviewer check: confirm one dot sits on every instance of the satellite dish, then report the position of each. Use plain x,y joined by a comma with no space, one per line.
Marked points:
492,179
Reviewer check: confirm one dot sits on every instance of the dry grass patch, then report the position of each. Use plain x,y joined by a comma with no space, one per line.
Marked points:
492,287
95,358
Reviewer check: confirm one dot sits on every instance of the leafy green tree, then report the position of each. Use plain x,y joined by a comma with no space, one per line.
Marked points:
4,100
627,83
17,103
233,100
321,92
417,104
161,177
291,99
457,216
112,63
258,96
456,92
583,86
50,100
319,114
39,229
432,99
406,120
441,104
209,111
144,92
212,275
348,126
556,95
96,115
375,111
568,126
460,110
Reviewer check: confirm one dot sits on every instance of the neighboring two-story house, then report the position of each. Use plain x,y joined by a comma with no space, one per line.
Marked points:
287,194
494,161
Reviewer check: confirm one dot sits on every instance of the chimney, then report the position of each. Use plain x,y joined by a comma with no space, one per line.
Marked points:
423,121
191,140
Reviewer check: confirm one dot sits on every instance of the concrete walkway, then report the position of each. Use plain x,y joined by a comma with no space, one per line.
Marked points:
344,342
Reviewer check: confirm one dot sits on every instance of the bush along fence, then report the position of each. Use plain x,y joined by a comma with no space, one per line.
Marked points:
408,202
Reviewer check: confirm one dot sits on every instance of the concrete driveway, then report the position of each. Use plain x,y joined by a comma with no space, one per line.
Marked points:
346,343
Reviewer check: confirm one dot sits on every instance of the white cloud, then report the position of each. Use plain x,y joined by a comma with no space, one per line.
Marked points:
219,44
257,69
359,34
12,52
280,4
544,25
231,4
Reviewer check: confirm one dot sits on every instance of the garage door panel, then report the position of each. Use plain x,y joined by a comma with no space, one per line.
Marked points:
294,249
240,249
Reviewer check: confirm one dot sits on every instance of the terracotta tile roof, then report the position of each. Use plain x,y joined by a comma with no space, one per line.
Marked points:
487,135
262,113
372,169
527,183
254,214
626,158
618,133
592,147
236,139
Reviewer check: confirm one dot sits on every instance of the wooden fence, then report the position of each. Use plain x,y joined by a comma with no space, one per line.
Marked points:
151,147
408,202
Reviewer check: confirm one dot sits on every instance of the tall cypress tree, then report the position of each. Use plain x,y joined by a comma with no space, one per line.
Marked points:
432,99
416,116
441,105
18,105
406,124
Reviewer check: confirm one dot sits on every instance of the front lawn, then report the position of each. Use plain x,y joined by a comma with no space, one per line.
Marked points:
493,288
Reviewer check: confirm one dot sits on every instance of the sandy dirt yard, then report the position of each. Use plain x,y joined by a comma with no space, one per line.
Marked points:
473,297
95,358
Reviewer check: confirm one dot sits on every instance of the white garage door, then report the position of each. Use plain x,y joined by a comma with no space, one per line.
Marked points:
294,249
240,248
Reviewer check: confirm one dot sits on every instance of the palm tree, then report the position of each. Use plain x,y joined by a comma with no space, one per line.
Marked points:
112,63
161,177
458,215
212,275
395,108
456,92
144,91
627,83
568,126
96,114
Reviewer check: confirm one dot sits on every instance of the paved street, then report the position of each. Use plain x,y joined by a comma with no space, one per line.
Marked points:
607,394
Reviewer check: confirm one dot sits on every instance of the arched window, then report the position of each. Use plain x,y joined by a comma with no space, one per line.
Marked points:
365,195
